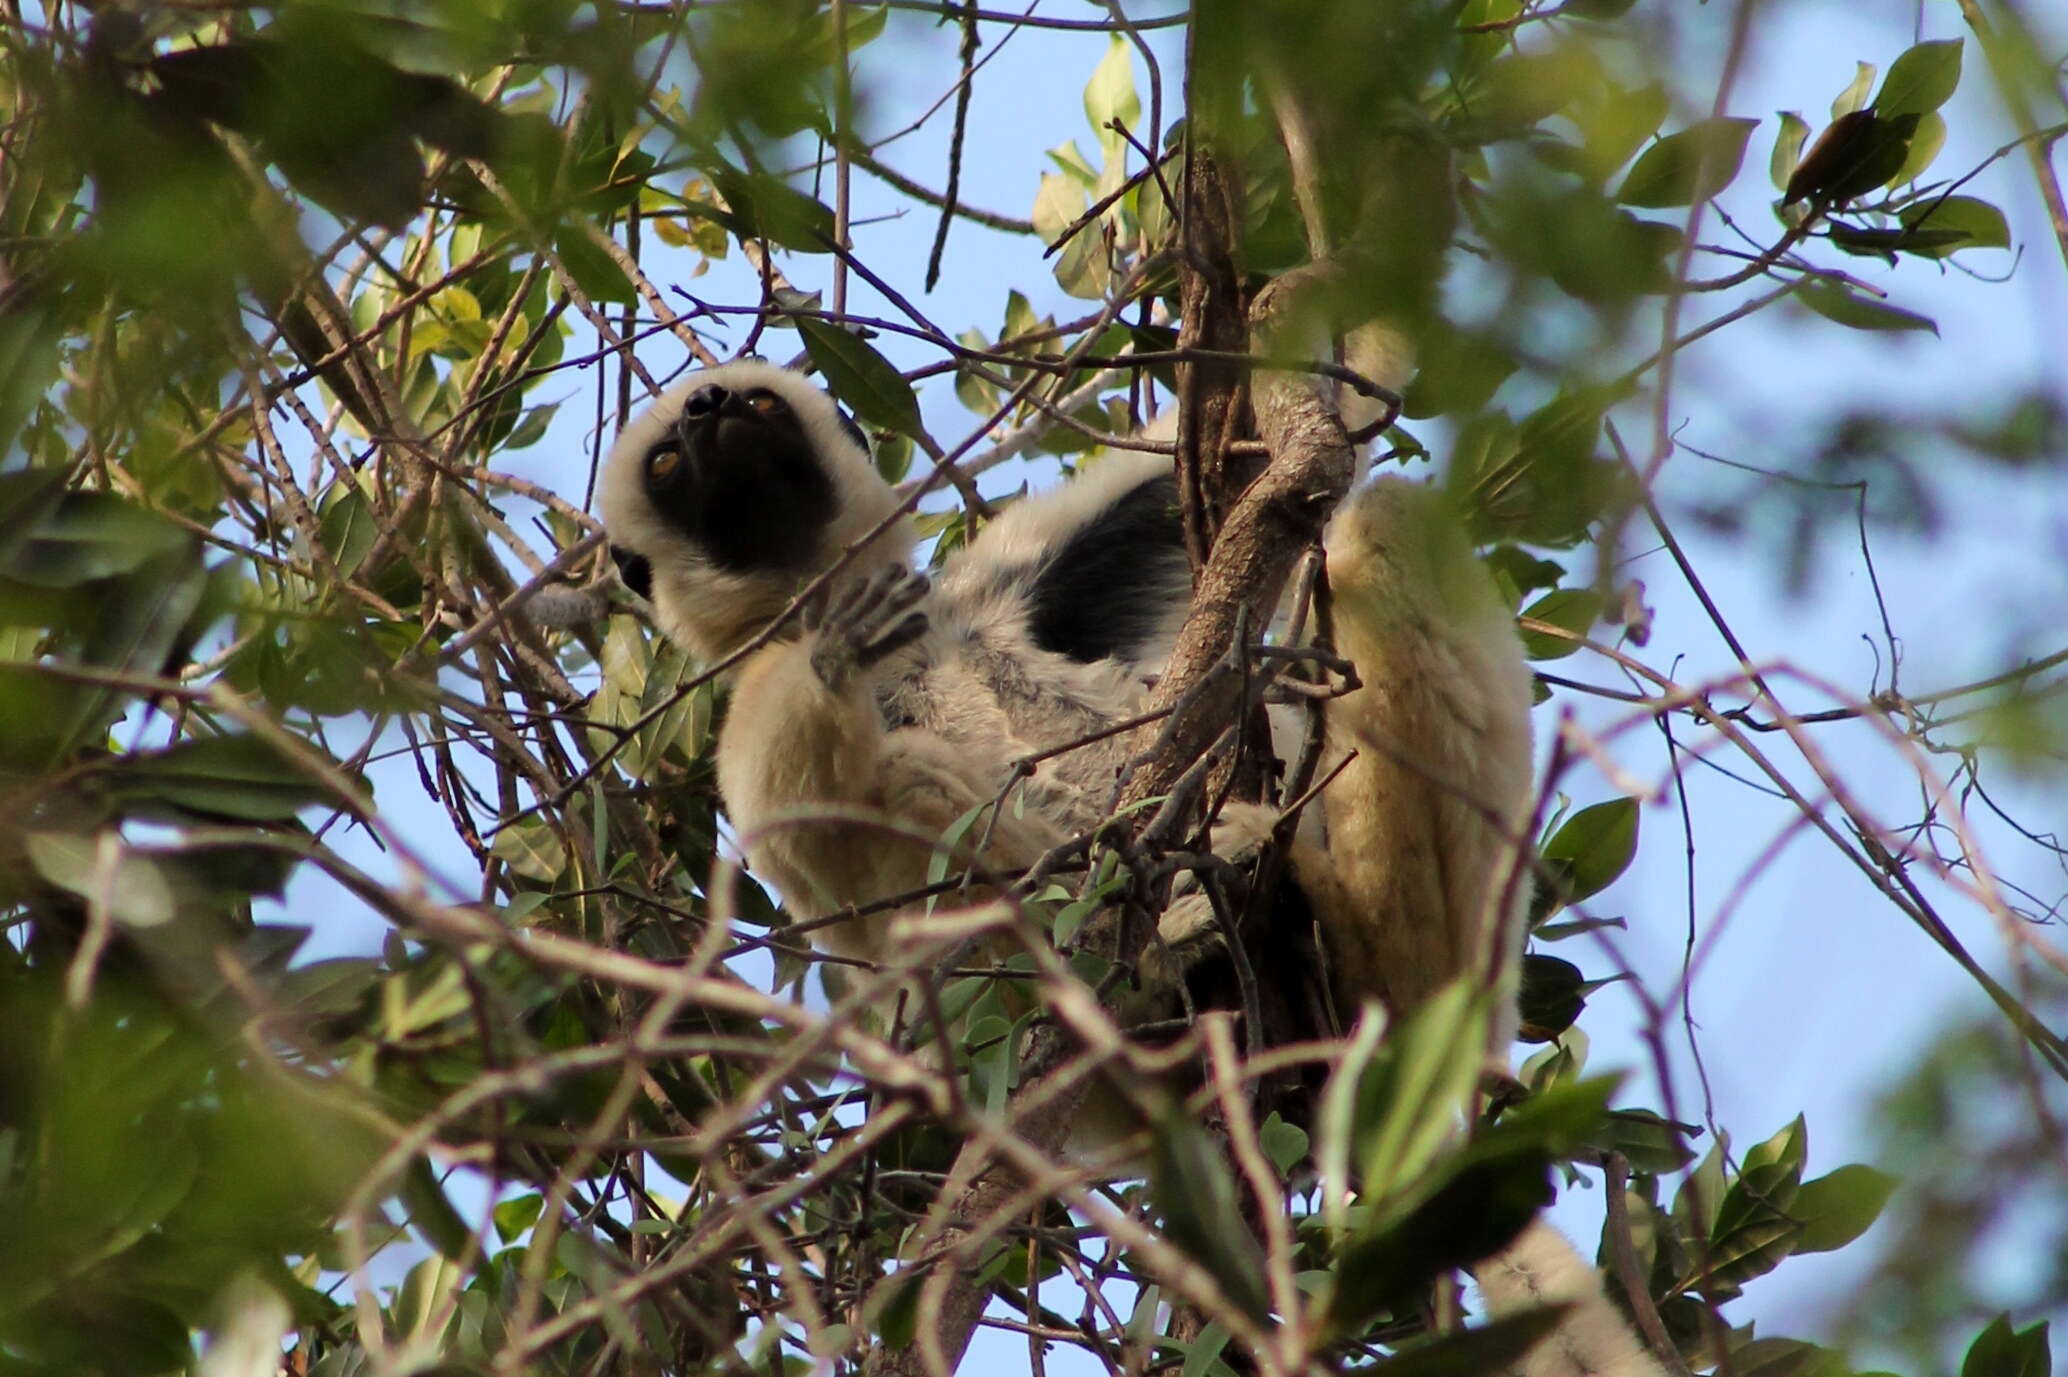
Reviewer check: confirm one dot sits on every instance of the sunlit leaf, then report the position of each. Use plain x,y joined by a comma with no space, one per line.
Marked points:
1921,80
1787,149
1596,846
1573,609
532,849
1689,166
1837,1208
1925,146
1110,95
1854,96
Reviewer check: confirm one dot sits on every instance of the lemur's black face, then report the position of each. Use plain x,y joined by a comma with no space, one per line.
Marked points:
738,476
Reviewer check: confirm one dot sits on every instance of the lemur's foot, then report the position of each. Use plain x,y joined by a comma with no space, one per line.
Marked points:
859,624
1239,834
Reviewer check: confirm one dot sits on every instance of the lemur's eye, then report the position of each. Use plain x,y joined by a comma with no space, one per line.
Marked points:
765,402
664,465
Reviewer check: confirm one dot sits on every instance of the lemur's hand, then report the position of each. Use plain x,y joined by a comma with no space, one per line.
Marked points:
858,625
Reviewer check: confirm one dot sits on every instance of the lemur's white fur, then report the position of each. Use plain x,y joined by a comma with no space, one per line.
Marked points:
1593,1340
1413,879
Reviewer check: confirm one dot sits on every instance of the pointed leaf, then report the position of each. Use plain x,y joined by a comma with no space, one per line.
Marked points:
1838,1208
1921,80
1855,155
1787,149
1689,166
1572,609
238,777
1596,844
859,376
2000,1351
1854,96
1839,304
1195,1192
1110,95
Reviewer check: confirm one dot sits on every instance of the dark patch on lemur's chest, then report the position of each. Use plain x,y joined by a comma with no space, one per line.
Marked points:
1100,594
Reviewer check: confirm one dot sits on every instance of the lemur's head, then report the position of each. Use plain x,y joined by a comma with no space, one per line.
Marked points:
733,490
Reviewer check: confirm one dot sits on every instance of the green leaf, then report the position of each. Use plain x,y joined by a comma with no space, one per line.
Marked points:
27,498
1523,89
1551,997
1755,1229
1777,1357
1410,1097
1285,1144
1496,1346
1617,127
1058,201
774,211
347,526
1203,1354
429,1210
1479,1197
1921,80
159,1173
108,870
1978,224
1838,1208
1925,146
1650,1142
1520,572
531,849
896,1299
1689,166
515,1215
1459,372
1596,844
1557,1063
2000,1351
860,377
1194,1191
239,777
91,535
1840,304
1574,609
1854,96
593,270
1787,149
1110,95
990,1039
